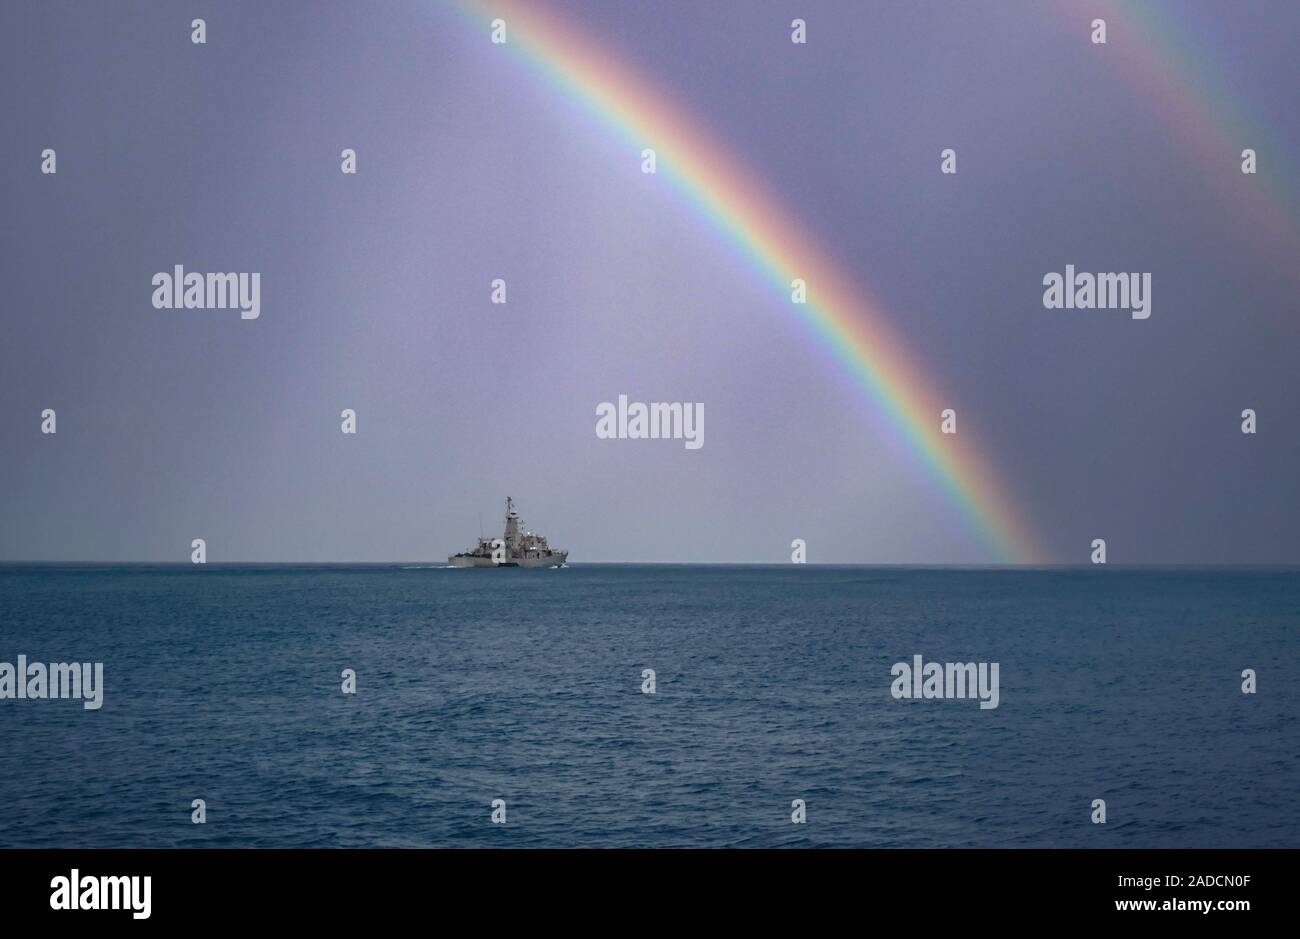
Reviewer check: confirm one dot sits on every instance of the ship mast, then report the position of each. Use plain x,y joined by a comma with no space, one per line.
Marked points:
512,528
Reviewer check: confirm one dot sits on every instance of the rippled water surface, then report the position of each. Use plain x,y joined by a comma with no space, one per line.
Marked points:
773,683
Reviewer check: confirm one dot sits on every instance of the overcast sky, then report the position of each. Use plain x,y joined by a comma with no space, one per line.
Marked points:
178,424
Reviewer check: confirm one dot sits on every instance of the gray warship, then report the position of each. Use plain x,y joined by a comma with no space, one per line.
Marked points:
514,549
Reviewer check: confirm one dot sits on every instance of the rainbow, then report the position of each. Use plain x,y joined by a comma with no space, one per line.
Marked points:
838,312
1153,49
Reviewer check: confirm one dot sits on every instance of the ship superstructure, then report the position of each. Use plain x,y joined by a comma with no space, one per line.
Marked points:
514,548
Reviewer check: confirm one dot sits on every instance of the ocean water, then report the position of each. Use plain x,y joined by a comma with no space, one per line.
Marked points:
773,684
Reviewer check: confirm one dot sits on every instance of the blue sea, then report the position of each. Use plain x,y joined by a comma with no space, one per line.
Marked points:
223,683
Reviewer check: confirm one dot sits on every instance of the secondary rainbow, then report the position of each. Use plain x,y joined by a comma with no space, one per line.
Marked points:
838,311
1155,47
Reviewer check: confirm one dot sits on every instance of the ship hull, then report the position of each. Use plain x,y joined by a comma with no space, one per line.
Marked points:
554,560
467,561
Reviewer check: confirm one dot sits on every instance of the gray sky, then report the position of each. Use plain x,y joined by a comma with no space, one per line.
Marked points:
177,424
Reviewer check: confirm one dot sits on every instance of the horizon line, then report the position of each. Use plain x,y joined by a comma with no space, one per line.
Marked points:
912,565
